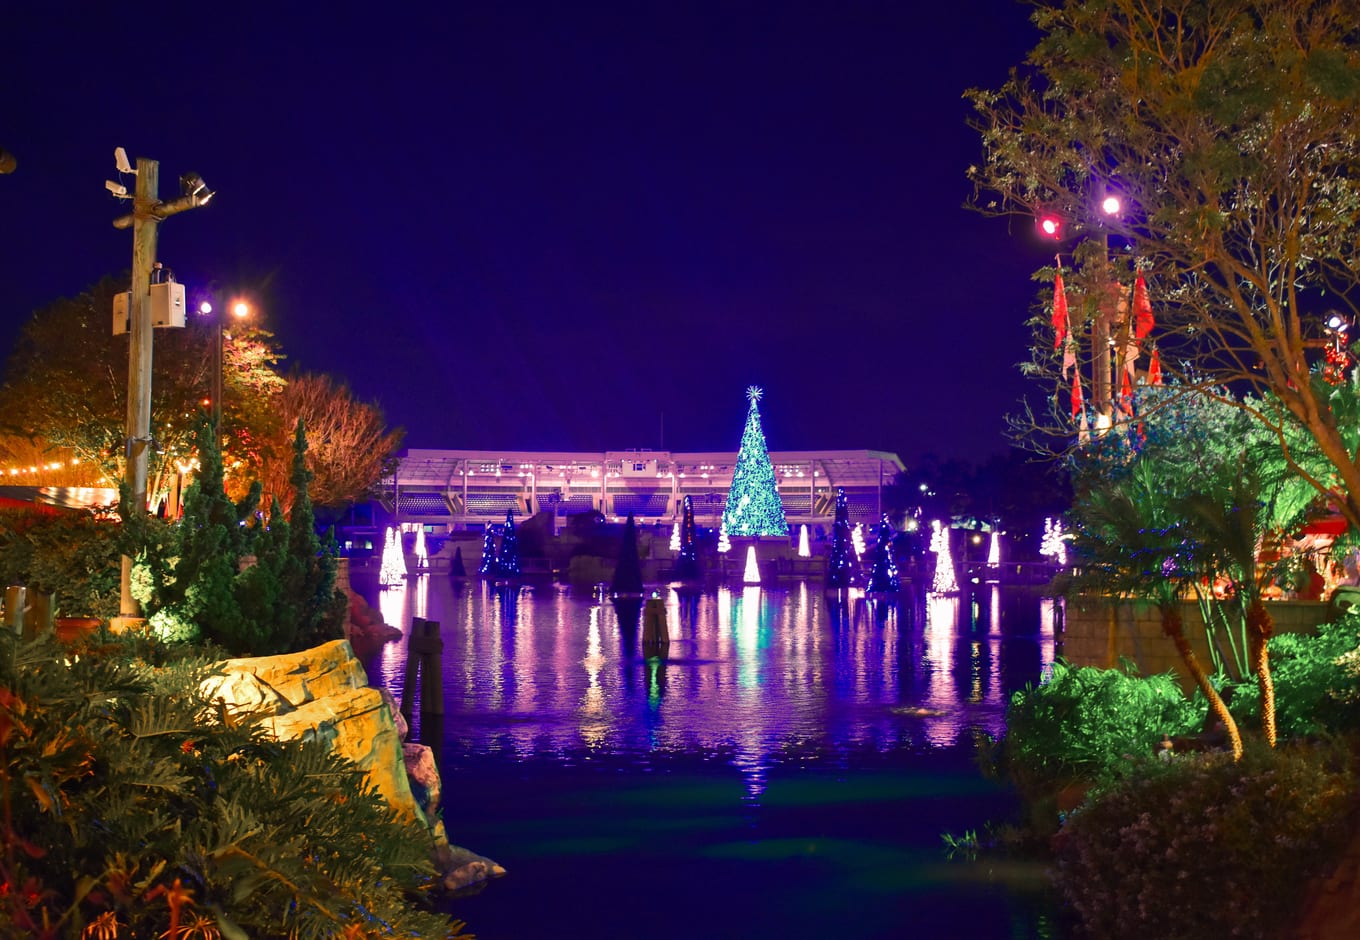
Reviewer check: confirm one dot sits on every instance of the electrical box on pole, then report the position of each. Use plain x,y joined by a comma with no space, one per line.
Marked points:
167,307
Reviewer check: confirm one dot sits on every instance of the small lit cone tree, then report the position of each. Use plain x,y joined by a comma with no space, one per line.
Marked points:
487,568
507,556
628,572
393,571
752,573
753,503
945,582
421,551
883,578
687,563
840,570
724,543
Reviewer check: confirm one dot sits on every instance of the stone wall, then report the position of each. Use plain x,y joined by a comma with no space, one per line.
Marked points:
1099,630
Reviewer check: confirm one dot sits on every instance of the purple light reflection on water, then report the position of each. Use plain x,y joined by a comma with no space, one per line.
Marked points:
751,672
787,769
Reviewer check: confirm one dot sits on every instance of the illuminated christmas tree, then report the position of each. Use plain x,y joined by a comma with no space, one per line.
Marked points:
393,571
752,573
753,503
945,582
422,552
724,543
883,577
804,548
487,568
687,564
840,571
507,556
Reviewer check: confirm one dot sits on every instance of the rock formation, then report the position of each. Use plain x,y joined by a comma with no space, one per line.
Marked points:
323,694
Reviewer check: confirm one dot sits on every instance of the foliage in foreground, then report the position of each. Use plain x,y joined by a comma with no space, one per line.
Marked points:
1317,680
1082,724
69,554
132,807
1204,846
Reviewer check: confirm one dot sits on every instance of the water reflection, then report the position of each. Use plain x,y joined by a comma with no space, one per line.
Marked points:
751,673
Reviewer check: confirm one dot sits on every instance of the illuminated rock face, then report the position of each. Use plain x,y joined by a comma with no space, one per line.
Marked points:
323,694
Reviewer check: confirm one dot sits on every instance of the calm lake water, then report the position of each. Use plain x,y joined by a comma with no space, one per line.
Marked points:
784,770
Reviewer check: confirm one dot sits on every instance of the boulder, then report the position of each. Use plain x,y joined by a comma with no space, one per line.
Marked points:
323,694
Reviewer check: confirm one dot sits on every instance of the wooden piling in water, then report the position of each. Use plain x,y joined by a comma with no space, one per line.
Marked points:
424,656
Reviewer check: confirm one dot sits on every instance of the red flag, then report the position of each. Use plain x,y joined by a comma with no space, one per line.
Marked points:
1059,311
1155,368
1078,405
1142,309
1126,396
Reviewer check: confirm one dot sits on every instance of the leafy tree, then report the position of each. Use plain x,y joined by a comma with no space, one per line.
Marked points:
66,385
1189,506
1230,131
349,448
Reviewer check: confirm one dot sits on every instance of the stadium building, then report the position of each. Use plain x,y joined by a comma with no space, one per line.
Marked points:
454,490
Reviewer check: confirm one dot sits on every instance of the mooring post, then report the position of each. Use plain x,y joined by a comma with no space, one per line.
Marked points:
655,632
424,657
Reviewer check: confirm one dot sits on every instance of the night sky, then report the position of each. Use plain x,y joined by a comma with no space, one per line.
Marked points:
554,226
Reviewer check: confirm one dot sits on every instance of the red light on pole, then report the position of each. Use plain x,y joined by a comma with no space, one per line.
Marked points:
1049,226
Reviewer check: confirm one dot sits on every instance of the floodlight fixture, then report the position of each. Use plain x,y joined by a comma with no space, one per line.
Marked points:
192,185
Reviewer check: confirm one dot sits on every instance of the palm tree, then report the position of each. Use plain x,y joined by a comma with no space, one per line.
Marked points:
1129,539
1233,516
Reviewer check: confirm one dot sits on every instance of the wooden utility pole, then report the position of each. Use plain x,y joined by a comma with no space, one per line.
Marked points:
147,213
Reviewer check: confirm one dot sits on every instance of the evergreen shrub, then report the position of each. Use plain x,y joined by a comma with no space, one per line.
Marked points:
1201,846
134,807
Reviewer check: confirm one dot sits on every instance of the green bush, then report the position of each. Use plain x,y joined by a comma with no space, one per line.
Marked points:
1317,681
1204,847
70,555
131,803
1083,724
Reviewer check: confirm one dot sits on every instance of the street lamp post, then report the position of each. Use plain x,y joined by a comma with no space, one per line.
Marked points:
240,310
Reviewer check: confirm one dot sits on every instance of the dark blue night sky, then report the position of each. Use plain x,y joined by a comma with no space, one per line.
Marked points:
544,226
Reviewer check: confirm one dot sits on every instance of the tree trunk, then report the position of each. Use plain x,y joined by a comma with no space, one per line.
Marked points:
1262,626
1172,627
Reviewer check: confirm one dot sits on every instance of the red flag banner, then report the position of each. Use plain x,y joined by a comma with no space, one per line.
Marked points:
1059,311
1142,309
1078,405
1126,396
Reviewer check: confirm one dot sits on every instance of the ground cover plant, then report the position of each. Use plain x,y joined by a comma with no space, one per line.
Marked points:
1083,725
1317,680
133,807
1205,846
